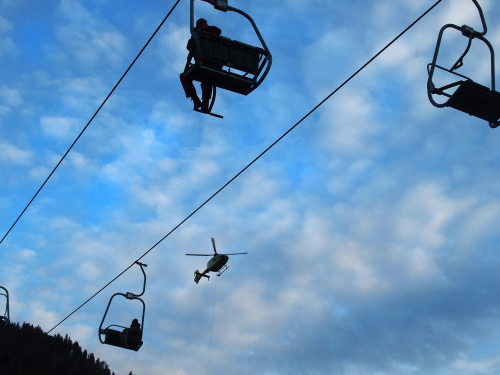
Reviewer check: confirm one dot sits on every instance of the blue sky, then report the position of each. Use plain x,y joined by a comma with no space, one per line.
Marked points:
371,228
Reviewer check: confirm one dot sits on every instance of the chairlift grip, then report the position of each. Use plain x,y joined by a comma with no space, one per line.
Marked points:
218,4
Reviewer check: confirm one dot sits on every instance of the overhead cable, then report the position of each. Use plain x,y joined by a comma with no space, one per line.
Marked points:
92,118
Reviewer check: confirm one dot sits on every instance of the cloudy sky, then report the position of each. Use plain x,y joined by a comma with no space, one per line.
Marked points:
371,229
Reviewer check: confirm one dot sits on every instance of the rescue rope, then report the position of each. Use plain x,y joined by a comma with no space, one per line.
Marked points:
212,327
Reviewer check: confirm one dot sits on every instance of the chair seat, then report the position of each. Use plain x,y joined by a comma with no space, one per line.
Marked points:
114,337
222,79
476,100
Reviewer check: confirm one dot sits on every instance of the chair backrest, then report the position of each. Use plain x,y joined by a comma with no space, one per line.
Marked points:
230,53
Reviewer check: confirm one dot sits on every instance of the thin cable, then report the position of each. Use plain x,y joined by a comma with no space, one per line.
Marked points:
243,170
95,114
212,327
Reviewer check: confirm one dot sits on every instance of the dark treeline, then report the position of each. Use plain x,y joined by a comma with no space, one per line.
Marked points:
51,355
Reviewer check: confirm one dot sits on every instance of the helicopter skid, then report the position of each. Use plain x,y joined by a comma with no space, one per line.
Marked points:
221,271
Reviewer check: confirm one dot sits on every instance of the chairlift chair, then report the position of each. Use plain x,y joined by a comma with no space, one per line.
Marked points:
5,318
120,336
250,64
469,97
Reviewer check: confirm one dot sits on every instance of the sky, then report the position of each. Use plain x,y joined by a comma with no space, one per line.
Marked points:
371,229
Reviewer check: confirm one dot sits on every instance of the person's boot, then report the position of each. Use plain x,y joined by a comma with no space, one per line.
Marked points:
204,105
196,102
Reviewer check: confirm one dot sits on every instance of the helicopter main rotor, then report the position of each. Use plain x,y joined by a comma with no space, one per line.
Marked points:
215,252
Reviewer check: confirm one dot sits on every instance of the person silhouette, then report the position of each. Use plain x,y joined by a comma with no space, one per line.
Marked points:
187,84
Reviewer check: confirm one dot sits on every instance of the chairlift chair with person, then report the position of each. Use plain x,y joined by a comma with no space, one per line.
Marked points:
242,67
120,336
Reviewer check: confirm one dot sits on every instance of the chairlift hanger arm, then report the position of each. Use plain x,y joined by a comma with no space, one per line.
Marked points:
483,21
142,265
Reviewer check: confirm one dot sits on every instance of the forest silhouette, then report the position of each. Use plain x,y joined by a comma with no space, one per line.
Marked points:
50,355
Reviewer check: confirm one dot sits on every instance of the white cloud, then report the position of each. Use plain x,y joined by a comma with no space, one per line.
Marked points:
27,254
348,124
5,25
88,39
11,96
78,160
172,50
59,127
12,154
38,173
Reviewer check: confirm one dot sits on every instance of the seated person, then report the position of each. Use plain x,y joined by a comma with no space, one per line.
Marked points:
133,333
187,84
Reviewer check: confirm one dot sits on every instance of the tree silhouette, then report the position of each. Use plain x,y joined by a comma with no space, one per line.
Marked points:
51,355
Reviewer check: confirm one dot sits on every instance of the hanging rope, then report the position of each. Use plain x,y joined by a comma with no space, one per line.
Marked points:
212,327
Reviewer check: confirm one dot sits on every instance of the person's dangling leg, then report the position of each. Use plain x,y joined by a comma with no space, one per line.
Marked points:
190,90
206,95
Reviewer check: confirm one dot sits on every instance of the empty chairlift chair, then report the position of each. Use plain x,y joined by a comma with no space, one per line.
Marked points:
120,336
5,318
469,97
224,63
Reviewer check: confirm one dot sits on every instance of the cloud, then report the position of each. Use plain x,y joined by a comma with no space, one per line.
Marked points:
7,46
88,39
27,254
10,96
5,25
172,50
349,125
59,127
10,153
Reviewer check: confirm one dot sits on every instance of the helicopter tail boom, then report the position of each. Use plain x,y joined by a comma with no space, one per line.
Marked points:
198,275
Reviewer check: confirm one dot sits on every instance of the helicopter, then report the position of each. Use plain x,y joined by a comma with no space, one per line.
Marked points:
216,264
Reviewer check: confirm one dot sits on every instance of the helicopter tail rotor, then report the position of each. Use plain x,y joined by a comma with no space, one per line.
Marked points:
198,275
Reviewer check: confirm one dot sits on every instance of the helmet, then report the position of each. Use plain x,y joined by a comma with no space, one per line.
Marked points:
201,21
